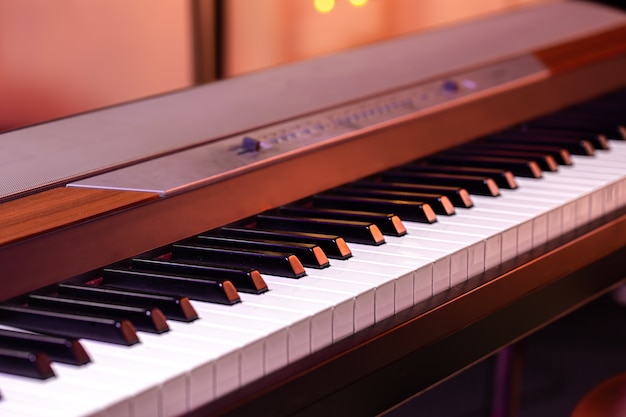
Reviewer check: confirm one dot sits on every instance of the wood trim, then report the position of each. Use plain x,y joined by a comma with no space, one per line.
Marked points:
60,207
585,51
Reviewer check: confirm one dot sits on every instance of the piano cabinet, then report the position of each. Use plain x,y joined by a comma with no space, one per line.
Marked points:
101,206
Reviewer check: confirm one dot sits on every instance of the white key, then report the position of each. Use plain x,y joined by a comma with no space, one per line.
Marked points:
73,397
176,361
450,258
339,306
356,302
286,313
383,278
473,244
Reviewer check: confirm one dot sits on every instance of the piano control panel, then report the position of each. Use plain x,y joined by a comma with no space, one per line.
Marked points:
203,165
397,79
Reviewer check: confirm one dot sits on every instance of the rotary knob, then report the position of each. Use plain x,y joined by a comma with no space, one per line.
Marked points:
450,86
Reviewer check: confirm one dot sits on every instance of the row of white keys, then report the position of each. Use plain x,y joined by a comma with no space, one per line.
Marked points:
172,373
387,281
352,301
484,235
170,393
528,217
415,253
173,390
291,301
332,304
153,376
328,305
496,230
150,378
288,325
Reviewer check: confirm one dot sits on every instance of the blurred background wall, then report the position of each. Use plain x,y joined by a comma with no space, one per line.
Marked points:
264,33
62,57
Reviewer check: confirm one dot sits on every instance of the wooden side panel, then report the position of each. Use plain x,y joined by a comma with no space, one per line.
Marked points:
53,209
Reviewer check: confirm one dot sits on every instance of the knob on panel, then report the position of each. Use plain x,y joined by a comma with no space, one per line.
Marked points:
451,86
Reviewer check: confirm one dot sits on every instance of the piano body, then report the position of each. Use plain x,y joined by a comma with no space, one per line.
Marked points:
90,191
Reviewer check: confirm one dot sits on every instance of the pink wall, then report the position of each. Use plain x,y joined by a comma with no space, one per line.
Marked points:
59,57
268,32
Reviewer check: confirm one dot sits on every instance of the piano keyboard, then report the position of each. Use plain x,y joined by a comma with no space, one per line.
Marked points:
230,346
186,308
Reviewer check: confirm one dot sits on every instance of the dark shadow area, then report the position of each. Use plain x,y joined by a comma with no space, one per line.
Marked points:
563,362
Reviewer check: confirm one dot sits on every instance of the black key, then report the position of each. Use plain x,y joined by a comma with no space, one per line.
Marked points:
617,132
388,224
518,166
458,196
170,284
597,140
604,117
406,210
605,120
601,113
575,119
173,307
573,146
311,256
438,202
334,247
41,320
503,177
352,231
147,320
560,155
583,120
475,184
267,262
27,364
246,280
58,349
545,161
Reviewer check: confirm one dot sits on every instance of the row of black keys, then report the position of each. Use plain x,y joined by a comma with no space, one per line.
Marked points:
214,267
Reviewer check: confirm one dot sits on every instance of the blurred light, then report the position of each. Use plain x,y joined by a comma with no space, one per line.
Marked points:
358,3
324,6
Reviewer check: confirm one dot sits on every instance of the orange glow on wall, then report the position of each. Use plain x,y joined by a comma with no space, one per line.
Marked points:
324,6
358,3
266,33
68,56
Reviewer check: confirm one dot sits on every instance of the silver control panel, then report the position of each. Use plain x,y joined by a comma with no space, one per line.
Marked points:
217,160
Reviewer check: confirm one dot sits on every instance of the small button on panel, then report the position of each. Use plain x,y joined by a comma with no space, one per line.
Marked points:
451,86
